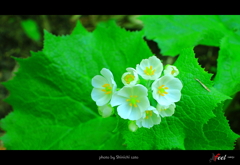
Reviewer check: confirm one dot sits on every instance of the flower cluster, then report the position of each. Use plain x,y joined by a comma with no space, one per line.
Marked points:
149,78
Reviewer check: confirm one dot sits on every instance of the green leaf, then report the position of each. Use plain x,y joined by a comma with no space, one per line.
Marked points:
232,22
42,134
176,32
218,132
30,27
51,93
227,79
186,128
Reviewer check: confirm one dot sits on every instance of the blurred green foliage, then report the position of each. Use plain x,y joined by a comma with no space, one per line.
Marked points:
31,29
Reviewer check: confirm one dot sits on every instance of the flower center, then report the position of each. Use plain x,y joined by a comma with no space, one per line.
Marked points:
133,101
173,71
162,109
108,89
129,78
148,114
149,71
161,90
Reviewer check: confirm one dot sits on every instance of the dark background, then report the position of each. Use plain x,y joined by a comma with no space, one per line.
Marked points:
14,42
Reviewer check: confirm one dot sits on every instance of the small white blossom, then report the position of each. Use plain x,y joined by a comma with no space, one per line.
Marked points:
167,90
105,110
104,87
150,69
132,126
150,118
130,77
166,110
171,70
132,101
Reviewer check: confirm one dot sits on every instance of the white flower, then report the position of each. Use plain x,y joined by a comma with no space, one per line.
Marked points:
130,77
167,90
164,110
132,126
104,87
105,110
171,70
150,69
132,101
150,118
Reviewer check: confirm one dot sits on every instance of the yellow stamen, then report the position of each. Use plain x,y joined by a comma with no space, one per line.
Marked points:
161,90
108,89
173,71
163,109
148,114
129,78
105,85
133,101
149,71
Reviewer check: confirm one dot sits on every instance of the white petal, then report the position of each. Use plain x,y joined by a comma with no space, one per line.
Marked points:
156,75
140,90
132,126
163,100
113,85
156,64
134,72
126,91
165,79
175,83
144,63
173,95
134,82
97,94
155,111
148,123
155,95
124,110
161,107
107,74
169,69
123,80
138,68
152,108
169,111
154,60
135,114
105,110
144,103
155,84
156,119
98,81
117,100
152,120
131,70
139,123
141,73
103,100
